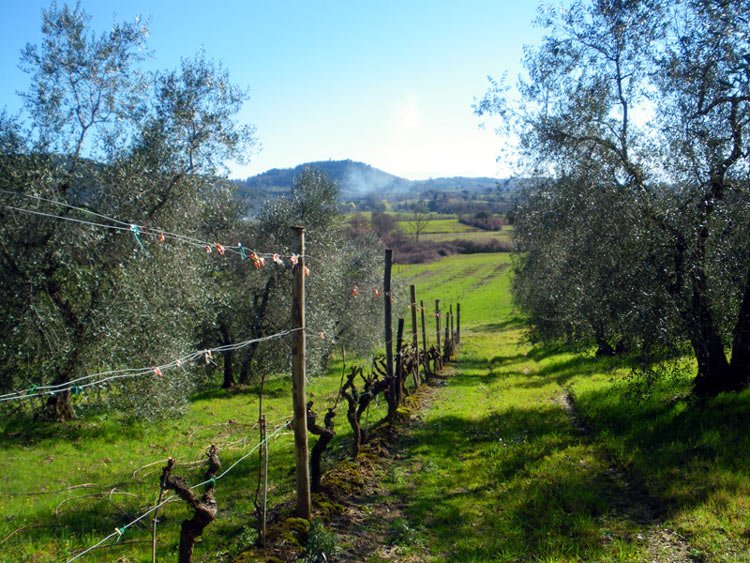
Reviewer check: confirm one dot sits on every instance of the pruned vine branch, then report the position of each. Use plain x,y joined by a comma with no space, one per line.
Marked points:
204,508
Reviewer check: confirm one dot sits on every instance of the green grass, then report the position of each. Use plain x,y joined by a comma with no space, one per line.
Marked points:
441,228
437,225
65,487
499,471
477,281
496,471
475,235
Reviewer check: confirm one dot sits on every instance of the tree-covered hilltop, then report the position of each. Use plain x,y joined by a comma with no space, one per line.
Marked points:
354,178
357,179
366,187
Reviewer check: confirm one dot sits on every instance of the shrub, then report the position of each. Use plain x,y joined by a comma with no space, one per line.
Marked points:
412,252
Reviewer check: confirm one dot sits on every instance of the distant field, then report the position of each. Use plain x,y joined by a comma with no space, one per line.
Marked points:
478,281
442,228
475,235
438,226
400,216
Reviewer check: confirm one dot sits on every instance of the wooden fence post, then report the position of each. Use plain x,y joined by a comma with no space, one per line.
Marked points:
388,303
414,338
398,388
424,341
458,323
447,342
437,329
388,312
453,343
304,501
263,482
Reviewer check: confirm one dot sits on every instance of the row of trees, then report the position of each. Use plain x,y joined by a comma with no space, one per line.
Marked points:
99,133
635,116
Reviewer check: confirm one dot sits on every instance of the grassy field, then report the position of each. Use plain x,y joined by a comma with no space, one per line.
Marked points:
438,225
536,454
521,453
65,487
441,228
401,216
476,235
477,281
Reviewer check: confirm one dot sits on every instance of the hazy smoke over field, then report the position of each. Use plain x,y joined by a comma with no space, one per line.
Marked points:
364,181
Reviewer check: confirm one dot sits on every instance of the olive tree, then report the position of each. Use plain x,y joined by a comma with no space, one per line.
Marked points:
634,116
98,134
258,299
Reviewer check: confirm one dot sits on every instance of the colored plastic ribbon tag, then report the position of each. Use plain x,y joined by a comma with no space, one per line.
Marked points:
137,235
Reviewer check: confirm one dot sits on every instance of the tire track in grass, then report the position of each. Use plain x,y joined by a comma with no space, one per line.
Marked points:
633,502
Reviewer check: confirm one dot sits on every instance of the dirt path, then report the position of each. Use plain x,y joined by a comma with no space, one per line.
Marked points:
632,502
370,524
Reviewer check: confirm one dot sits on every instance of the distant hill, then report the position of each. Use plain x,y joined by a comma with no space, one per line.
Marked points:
356,180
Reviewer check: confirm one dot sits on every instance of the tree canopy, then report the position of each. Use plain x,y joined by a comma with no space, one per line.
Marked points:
102,161
633,117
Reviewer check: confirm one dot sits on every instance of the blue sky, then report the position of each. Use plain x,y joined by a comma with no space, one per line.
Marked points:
389,83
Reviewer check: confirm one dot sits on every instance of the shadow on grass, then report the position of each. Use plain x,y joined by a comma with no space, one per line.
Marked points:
94,513
26,431
97,423
524,484
513,488
512,323
674,443
559,371
489,363
274,388
471,371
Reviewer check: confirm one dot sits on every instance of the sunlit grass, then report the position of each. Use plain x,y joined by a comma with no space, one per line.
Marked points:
438,224
479,282
496,471
474,235
65,487
500,472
